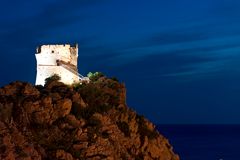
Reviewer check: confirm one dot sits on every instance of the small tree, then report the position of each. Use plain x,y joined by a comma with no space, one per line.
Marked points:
54,77
95,76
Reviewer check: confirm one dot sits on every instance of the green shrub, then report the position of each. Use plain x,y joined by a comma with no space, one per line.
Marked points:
54,77
95,76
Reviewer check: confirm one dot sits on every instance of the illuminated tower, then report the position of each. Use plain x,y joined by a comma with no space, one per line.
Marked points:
57,59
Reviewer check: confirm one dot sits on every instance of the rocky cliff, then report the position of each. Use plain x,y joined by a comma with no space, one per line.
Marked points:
88,121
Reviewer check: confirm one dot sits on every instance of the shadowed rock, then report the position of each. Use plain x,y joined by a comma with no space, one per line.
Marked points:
88,121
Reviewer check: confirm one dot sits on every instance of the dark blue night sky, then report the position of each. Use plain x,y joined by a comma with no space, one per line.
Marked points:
180,60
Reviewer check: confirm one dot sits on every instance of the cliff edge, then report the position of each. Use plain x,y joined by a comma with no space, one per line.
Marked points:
88,121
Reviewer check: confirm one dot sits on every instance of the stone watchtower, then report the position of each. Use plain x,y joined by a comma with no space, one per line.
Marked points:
60,60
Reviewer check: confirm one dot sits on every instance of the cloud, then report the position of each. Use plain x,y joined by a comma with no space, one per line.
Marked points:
53,16
193,58
157,65
165,38
177,53
184,51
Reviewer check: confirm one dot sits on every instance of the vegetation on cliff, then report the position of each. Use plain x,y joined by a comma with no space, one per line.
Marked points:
82,121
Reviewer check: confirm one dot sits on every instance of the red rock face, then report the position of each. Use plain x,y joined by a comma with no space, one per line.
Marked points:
88,121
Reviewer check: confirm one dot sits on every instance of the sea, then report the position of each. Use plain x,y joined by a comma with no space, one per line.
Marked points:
203,142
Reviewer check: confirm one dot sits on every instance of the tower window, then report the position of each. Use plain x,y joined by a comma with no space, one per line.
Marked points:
52,51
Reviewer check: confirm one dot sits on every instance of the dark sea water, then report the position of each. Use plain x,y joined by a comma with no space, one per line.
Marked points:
204,142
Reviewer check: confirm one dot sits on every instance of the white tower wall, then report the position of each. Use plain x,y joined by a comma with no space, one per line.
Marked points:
47,57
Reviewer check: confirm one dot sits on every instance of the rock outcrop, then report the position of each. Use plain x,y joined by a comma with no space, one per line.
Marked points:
87,121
